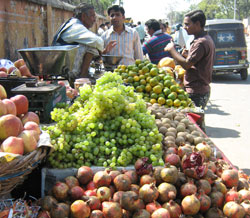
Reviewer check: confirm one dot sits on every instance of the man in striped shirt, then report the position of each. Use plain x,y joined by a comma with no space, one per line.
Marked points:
154,47
126,40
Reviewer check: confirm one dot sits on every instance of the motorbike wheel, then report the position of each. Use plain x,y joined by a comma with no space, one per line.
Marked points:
244,74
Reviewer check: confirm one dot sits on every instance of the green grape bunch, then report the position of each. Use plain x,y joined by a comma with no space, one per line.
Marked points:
107,125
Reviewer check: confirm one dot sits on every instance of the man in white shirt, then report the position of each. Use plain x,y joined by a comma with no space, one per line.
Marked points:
127,41
101,29
140,29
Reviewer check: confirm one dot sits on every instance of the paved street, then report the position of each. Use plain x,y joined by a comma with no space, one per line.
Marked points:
228,117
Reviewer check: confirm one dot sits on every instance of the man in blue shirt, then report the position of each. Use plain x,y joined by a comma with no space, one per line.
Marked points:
154,47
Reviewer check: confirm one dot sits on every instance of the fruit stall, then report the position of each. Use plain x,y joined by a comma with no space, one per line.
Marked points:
126,146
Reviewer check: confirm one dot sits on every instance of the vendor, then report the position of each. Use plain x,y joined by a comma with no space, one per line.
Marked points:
76,31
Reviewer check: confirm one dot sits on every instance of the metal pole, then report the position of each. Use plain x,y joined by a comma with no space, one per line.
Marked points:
234,9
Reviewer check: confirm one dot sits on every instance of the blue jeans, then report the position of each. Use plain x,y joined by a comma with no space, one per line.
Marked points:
200,100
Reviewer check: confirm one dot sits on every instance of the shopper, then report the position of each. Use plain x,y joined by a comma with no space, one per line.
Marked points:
101,29
127,39
155,45
140,29
198,61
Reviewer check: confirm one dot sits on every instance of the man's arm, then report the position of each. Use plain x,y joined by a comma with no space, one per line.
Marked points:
179,58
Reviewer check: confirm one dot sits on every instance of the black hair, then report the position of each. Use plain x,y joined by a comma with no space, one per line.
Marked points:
116,8
107,23
102,25
139,22
81,9
154,24
197,15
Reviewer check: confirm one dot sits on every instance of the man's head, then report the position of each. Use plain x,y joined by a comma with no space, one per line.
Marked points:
194,22
86,14
167,24
139,23
102,26
152,25
117,15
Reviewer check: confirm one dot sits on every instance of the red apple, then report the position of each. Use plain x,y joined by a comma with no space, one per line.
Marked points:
13,145
3,74
22,103
10,105
35,134
3,108
30,143
30,116
10,125
30,125
25,71
3,93
3,69
19,63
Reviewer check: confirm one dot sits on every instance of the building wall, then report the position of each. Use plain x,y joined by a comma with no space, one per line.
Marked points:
30,23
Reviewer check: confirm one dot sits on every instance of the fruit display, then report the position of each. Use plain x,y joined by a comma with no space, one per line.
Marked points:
19,128
107,125
156,84
161,191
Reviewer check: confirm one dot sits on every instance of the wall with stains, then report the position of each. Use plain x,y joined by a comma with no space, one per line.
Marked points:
31,23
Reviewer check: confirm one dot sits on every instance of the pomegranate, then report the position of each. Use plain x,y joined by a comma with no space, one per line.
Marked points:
173,208
220,186
181,179
122,182
147,179
47,202
214,212
167,192
76,192
246,205
186,149
79,209
188,188
212,166
113,173
160,213
42,214
135,188
103,193
84,174
148,193
102,178
93,202
173,159
230,178
126,214
205,201
128,200
232,195
139,204
243,183
172,150
96,214
60,191
141,213
157,175
91,185
117,196
142,166
205,148
204,185
190,205
217,198
169,174
151,207
71,181
90,192
112,189
111,209
60,210
233,209
132,175
245,194
210,176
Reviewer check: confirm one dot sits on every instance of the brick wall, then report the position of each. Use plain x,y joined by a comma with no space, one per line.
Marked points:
30,23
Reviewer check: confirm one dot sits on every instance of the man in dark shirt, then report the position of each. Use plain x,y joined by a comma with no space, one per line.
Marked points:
198,61
154,47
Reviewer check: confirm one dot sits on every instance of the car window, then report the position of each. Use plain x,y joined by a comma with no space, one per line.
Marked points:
226,37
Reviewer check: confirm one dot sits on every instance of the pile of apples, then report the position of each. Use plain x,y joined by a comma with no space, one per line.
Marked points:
19,69
19,128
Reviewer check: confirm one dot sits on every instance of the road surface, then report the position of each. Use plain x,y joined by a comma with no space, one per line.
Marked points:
228,117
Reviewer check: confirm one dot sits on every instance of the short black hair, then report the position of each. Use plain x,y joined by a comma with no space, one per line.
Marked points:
116,8
154,24
139,22
102,25
197,15
107,23
81,9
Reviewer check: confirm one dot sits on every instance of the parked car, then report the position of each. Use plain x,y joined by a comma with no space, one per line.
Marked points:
231,49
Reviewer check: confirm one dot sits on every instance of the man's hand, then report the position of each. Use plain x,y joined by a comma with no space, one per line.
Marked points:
169,47
109,46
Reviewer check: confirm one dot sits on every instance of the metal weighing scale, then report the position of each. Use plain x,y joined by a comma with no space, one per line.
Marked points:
50,64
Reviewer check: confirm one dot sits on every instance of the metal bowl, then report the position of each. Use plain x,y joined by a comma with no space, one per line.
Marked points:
111,60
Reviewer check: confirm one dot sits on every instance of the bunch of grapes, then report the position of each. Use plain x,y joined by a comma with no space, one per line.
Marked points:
107,125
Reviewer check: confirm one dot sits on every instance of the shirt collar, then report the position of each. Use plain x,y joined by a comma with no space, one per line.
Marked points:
127,29
157,32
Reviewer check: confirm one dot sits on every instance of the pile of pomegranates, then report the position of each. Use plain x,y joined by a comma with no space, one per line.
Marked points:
156,192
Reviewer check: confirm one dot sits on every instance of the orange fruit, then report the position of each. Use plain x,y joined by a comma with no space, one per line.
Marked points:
152,101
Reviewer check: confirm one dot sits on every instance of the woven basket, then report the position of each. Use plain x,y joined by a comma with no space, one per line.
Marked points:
14,172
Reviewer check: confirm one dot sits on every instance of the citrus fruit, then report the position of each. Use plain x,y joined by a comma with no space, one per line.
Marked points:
166,91
149,65
183,103
157,89
169,102
136,84
136,78
148,79
132,73
140,66
130,79
139,89
181,97
123,67
172,96
177,103
154,95
173,88
166,62
153,82
143,82
145,69
142,77
136,69
152,101
148,88
161,100
153,71
137,61
168,83
161,95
